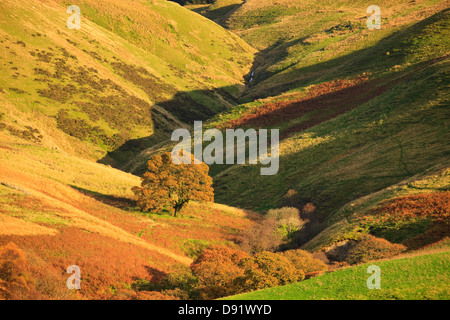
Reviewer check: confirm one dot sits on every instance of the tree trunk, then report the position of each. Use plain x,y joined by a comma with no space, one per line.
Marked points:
177,207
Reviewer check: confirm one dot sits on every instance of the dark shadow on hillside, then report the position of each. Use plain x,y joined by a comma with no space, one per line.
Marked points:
372,59
155,277
190,106
267,57
114,201
220,15
178,112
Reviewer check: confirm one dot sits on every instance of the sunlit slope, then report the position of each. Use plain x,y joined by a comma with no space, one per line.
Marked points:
348,222
305,42
135,70
395,135
64,210
417,277
347,149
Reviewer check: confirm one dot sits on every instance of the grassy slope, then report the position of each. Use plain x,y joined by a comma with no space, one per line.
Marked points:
399,135
419,276
296,39
56,203
64,210
118,78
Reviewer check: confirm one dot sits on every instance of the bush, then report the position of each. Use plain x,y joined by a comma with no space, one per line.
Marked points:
308,209
268,269
180,283
14,282
262,236
222,271
217,269
288,220
276,228
372,248
304,261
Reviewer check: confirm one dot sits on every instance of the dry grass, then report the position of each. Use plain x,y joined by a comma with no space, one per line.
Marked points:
60,197
14,226
85,209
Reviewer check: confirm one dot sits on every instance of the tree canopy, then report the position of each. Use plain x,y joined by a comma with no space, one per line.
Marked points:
170,186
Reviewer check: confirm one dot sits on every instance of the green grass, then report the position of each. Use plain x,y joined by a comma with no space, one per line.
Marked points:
357,159
367,149
296,46
128,59
421,277
217,11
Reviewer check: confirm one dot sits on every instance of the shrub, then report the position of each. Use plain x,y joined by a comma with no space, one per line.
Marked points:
193,247
371,248
182,279
276,228
217,269
30,134
14,282
262,236
304,261
181,283
288,220
268,269
283,213
308,209
222,271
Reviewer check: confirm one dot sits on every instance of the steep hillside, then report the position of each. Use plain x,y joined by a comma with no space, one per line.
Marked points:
305,42
134,71
363,120
63,210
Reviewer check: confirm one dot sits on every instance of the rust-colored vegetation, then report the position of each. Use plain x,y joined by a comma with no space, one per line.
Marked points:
426,214
107,265
222,271
326,100
15,283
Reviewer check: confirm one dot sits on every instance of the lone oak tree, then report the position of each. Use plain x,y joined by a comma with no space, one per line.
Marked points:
170,185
